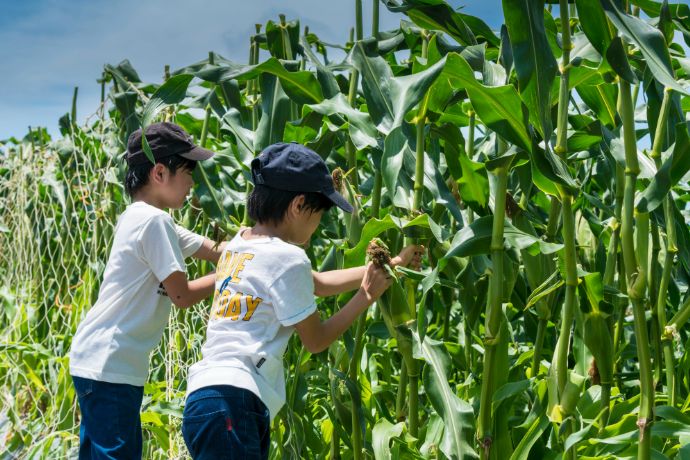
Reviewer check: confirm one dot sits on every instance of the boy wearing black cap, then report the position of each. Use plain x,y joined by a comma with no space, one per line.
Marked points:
264,290
109,357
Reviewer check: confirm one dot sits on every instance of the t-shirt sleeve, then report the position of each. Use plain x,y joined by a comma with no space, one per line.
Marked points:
189,242
292,293
160,247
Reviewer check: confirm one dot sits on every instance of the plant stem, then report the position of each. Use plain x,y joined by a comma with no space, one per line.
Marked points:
681,317
538,345
670,253
634,271
361,323
545,311
378,178
375,19
400,398
354,376
494,314
74,107
469,149
376,194
413,372
560,361
252,91
202,172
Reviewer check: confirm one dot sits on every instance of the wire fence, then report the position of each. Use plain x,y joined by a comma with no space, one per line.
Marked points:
59,203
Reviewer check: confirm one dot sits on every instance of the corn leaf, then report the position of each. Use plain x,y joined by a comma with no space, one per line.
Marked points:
275,111
649,40
457,414
475,239
381,437
534,62
670,173
389,98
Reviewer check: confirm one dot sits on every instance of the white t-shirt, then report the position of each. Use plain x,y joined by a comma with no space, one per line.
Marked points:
263,287
114,340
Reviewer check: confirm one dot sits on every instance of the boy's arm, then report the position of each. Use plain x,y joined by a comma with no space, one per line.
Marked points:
317,335
334,282
210,251
184,293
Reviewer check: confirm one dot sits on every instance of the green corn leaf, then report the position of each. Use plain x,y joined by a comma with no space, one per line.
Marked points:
600,343
534,62
275,111
617,57
374,227
282,41
300,85
389,98
458,415
171,92
381,437
398,168
534,432
670,173
649,40
438,15
499,107
126,103
509,390
329,84
551,284
594,24
474,182
244,138
601,99
475,239
360,127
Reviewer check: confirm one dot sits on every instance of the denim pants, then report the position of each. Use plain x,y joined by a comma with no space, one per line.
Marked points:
110,425
226,422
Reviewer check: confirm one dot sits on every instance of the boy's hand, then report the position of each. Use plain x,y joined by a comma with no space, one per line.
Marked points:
375,282
410,256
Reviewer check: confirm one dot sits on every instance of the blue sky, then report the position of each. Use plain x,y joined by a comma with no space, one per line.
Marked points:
51,46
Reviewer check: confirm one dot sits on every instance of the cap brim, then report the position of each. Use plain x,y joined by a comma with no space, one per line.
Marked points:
198,154
339,201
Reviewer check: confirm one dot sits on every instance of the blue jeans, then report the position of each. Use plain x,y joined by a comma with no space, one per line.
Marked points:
110,425
226,422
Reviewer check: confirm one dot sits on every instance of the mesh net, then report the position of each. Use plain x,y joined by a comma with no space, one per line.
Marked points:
59,203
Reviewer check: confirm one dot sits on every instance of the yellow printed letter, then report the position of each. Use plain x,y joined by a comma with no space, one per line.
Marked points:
252,303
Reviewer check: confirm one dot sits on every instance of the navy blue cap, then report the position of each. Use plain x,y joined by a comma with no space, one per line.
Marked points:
295,168
165,139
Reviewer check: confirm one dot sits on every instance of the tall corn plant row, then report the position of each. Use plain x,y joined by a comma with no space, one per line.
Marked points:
512,155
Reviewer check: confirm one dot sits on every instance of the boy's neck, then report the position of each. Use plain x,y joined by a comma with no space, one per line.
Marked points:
149,198
271,230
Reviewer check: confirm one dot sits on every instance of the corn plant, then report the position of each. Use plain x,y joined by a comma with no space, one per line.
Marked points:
543,165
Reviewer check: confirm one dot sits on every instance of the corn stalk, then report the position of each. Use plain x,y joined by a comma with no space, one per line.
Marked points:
635,261
494,312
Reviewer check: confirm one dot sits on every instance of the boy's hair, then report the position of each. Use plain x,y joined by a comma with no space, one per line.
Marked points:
138,175
266,204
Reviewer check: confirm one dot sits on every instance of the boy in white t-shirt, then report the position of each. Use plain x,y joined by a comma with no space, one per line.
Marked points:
264,291
109,357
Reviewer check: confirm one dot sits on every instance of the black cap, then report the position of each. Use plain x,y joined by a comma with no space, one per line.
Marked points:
165,139
295,168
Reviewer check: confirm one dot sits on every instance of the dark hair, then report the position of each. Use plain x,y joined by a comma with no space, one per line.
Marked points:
266,204
138,175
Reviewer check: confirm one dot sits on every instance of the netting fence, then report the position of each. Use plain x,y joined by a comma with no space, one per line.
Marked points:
59,203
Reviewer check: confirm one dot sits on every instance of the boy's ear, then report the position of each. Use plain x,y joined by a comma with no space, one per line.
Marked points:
296,205
158,173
